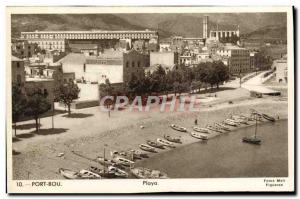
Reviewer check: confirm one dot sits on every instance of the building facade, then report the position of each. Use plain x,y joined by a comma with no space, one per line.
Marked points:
17,71
59,40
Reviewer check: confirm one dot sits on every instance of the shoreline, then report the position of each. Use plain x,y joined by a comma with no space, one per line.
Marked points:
39,158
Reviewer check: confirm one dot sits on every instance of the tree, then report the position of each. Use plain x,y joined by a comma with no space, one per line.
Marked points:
67,93
221,71
37,104
106,90
18,105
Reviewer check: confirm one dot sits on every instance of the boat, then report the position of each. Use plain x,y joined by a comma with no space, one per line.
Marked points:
69,174
145,173
86,174
267,117
178,128
222,126
101,172
147,148
126,154
242,121
123,161
253,139
230,123
214,128
201,130
139,153
233,121
165,143
155,144
105,161
173,139
199,136
118,172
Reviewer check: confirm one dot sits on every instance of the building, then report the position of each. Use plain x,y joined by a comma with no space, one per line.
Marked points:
166,59
23,49
281,70
17,71
60,40
254,61
237,58
115,65
205,27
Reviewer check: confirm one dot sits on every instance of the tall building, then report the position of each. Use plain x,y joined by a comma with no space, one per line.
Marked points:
17,71
205,27
237,59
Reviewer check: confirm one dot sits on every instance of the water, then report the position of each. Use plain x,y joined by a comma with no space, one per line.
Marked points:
227,156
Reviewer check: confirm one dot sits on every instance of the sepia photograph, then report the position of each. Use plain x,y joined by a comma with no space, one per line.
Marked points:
149,95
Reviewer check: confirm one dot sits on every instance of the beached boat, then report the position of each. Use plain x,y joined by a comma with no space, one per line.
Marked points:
145,173
178,128
155,144
233,121
101,172
267,117
139,153
118,172
123,161
230,123
222,126
126,154
253,139
213,128
242,121
201,130
199,136
147,148
173,139
89,175
69,174
105,161
165,143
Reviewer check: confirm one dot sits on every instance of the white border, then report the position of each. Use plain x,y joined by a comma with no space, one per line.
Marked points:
183,185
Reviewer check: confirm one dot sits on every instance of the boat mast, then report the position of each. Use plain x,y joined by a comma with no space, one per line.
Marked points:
255,125
104,160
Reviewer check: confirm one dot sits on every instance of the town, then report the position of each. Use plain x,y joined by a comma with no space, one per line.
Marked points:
60,77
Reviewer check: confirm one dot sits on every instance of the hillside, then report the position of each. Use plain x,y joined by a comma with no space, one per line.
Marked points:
268,33
189,25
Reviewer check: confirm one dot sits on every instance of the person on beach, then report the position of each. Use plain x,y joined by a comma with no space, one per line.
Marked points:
196,121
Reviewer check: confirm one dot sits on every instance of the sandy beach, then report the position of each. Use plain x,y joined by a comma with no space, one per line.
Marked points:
94,130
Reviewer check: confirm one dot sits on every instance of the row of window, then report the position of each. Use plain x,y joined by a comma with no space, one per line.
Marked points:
133,64
86,36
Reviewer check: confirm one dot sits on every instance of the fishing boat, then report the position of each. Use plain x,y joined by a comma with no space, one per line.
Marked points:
126,154
118,172
178,128
101,172
165,143
147,148
214,128
172,139
89,175
233,121
253,139
199,136
241,121
69,174
139,153
105,161
222,126
230,123
267,117
145,173
123,161
155,144
201,130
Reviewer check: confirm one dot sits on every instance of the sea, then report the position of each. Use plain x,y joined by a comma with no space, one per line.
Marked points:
226,156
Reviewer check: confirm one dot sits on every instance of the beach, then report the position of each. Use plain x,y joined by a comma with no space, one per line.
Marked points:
94,131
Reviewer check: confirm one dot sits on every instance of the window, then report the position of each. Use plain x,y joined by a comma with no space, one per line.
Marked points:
18,64
127,64
138,64
132,64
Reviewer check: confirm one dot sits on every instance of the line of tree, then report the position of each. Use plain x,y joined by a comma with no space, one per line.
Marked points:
178,80
31,104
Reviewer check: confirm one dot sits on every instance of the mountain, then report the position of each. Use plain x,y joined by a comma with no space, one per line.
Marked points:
268,33
188,25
